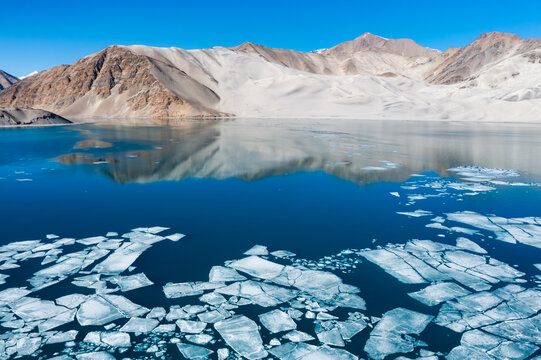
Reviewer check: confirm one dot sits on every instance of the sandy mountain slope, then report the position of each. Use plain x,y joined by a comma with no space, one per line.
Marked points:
15,117
495,78
6,80
251,86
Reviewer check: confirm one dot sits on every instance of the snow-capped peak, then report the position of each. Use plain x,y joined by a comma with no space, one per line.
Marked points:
32,73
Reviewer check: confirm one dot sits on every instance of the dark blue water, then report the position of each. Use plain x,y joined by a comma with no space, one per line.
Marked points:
295,185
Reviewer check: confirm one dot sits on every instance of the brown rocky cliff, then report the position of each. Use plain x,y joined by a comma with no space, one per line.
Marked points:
104,77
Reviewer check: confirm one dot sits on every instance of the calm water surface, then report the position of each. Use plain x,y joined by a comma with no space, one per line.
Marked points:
314,188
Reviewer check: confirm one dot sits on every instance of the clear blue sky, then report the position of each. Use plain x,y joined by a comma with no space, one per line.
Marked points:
37,35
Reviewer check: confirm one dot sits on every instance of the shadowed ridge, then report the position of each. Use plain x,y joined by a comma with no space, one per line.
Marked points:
6,80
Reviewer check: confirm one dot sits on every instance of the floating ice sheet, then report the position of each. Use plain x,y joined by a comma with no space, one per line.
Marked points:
387,337
464,282
515,230
277,321
242,334
438,293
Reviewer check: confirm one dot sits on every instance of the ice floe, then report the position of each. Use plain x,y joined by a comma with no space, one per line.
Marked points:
388,336
277,321
242,334
295,308
514,230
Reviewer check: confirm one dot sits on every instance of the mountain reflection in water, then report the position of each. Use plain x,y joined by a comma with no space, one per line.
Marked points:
249,149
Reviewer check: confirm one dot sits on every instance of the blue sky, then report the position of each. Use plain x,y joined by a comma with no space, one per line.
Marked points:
37,35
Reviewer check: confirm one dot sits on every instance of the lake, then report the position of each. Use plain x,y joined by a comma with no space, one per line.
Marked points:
327,239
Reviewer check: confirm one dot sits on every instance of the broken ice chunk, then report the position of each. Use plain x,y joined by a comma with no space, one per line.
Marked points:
394,265
213,298
331,337
9,295
156,313
130,282
70,265
325,352
177,290
193,309
113,338
192,327
242,334
175,237
438,293
223,353
277,321
193,351
97,355
416,213
282,253
121,259
164,328
469,245
199,339
258,267
31,309
298,336
175,312
522,330
259,293
291,351
257,250
387,337
97,311
58,320
140,325
224,274
92,240
100,310
62,337
156,229
213,316
28,346
348,329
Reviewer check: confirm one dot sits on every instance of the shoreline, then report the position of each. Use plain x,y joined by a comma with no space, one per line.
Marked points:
155,122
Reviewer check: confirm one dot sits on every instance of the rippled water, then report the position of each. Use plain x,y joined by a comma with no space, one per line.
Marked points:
348,198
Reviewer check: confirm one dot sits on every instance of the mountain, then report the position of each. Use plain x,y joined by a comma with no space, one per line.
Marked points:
370,42
487,51
6,80
494,78
114,82
16,117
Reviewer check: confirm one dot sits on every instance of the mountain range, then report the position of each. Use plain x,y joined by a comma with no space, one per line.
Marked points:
497,78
